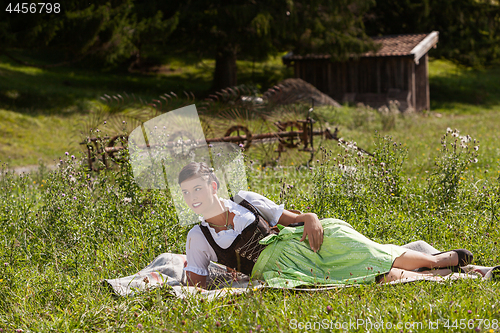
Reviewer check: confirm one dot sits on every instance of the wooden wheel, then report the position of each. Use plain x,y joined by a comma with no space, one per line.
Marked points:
115,145
291,141
235,130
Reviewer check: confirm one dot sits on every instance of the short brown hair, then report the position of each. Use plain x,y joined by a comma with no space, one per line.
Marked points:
198,169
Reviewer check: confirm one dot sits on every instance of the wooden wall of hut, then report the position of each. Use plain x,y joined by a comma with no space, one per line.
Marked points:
422,84
371,80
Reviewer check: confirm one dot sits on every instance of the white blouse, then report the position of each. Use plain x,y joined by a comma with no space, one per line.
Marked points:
199,253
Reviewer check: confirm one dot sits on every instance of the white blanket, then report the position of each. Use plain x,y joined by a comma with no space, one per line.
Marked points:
167,269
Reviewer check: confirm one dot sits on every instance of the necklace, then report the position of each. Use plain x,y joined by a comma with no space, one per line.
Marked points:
227,226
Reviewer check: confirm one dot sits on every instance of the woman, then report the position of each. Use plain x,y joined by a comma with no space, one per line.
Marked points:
262,239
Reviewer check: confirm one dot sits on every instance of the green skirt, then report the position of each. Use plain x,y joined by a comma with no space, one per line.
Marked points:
345,257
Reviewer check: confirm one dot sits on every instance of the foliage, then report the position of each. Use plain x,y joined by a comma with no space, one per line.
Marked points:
389,157
334,28
63,232
105,32
457,154
469,30
141,34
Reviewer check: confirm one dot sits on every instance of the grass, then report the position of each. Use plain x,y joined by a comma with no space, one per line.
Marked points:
27,139
421,133
63,232
50,104
58,99
463,90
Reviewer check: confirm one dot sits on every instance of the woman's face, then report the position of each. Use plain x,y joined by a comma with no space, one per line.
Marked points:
198,194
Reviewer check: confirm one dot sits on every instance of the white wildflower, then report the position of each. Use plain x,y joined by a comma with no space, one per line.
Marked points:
465,139
476,148
474,160
449,130
127,200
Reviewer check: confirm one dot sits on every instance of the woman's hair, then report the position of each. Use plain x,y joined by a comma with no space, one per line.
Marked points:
198,169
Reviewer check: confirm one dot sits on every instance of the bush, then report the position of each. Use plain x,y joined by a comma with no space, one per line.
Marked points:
457,153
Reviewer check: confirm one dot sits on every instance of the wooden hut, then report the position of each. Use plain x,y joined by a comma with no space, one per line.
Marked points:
398,71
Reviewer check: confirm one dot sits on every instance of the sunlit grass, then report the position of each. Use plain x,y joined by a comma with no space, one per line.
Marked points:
60,238
21,69
63,233
461,90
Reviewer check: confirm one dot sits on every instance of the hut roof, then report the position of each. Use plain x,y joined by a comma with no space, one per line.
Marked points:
411,45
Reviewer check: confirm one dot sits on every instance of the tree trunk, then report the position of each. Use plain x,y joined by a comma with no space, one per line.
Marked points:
225,69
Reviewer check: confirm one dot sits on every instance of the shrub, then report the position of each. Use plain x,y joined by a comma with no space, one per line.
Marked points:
456,154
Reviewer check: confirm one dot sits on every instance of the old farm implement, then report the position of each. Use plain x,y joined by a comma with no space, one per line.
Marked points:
297,134
290,134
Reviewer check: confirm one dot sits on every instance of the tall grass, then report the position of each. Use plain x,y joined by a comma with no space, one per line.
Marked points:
64,231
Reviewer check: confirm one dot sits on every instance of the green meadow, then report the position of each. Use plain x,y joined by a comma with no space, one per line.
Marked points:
434,177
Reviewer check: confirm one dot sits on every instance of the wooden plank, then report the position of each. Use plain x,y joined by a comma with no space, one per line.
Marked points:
427,90
363,76
351,74
421,85
367,72
339,81
413,85
390,76
330,86
401,74
313,68
379,87
356,75
424,46
345,87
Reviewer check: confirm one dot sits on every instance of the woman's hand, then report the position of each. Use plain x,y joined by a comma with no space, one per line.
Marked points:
313,230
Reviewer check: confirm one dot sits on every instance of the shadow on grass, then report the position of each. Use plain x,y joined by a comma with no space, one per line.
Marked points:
451,86
63,90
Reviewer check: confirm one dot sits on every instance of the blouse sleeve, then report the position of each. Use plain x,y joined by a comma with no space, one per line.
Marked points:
198,252
269,210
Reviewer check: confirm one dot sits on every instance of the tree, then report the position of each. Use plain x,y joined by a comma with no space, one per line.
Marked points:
225,30
255,29
107,31
469,30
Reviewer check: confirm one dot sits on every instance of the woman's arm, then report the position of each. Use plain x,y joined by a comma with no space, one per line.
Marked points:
196,280
198,256
312,227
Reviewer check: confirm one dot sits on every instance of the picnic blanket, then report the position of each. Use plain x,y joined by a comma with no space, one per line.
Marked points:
168,270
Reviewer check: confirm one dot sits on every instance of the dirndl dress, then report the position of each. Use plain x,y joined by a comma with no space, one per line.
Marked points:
345,257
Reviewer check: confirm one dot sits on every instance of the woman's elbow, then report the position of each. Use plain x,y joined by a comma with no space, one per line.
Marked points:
195,280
